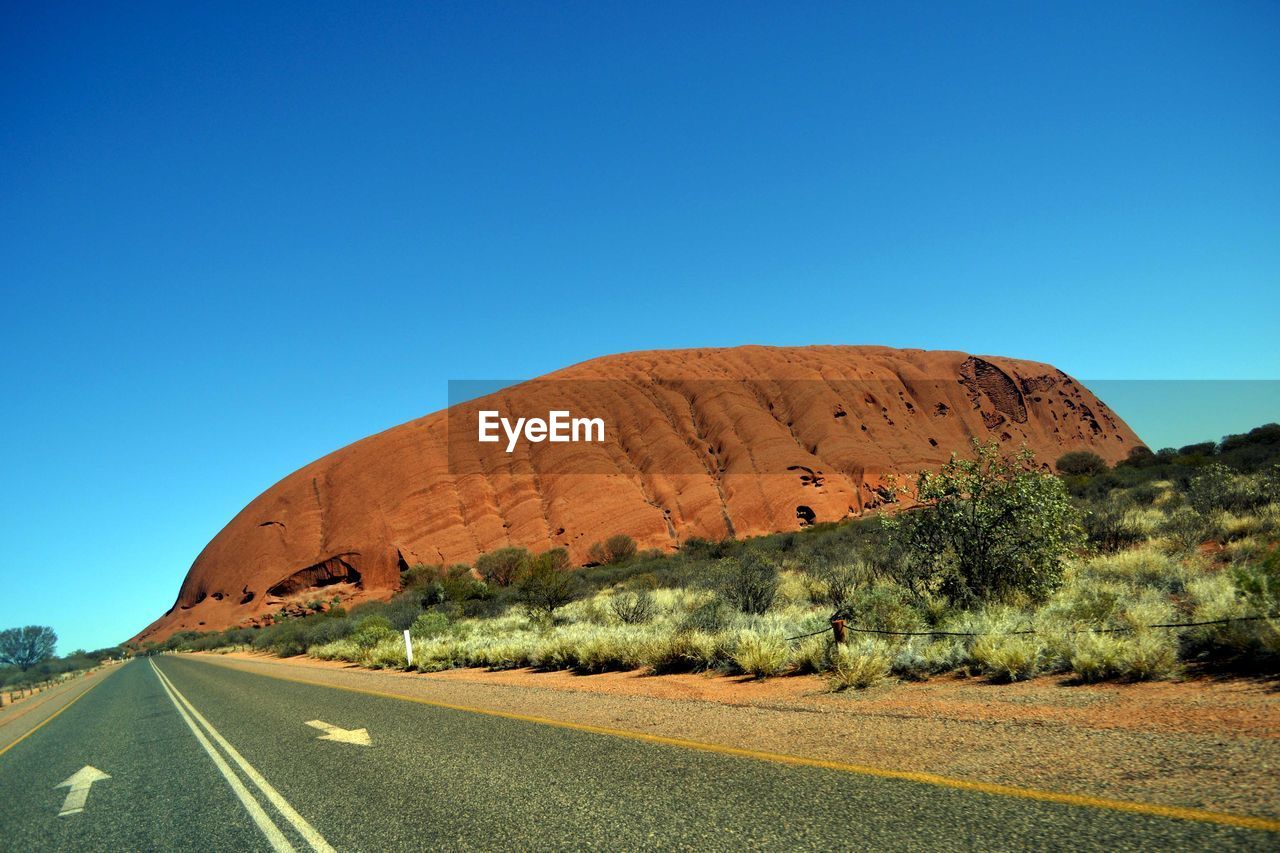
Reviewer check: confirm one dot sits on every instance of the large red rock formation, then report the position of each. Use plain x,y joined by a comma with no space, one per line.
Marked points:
707,443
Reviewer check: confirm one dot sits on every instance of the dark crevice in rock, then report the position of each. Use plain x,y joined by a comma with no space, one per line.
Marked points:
980,377
334,570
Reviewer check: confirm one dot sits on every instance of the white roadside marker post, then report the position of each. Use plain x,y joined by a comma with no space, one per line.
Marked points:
408,649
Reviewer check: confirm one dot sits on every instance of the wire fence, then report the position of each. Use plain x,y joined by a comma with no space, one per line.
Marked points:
1094,630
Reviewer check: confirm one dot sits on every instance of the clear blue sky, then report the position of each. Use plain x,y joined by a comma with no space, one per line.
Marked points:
236,237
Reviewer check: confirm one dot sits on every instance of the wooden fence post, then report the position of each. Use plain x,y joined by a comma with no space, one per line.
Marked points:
837,628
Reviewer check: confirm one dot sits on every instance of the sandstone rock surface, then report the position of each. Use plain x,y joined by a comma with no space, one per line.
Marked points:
706,442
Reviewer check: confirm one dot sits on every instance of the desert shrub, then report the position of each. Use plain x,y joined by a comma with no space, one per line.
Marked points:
921,657
798,589
633,608
1015,658
285,639
547,584
327,630
1217,487
1095,657
884,606
420,575
860,664
1259,583
840,580
503,566
1145,494
813,654
1085,601
989,527
1185,528
370,631
238,637
1139,656
1150,655
748,582
1080,462
1110,525
402,610
386,654
428,625
1245,591
459,585
1144,609
687,651
337,650
710,616
614,550
761,655
1144,567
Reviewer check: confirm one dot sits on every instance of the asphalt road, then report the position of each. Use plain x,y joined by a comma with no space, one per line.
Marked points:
203,757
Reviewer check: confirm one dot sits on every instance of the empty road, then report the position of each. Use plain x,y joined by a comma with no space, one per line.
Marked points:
174,753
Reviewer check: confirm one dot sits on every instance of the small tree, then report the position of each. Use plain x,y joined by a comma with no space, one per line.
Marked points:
1217,487
633,608
1109,525
748,582
503,566
616,549
990,526
1079,462
26,647
547,584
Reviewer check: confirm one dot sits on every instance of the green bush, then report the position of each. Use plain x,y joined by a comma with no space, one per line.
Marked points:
1137,657
1015,658
711,616
614,550
748,582
989,527
1080,462
503,566
1217,487
761,655
547,585
1185,528
883,606
327,631
428,625
285,639
921,657
813,654
372,630
1109,526
859,665
633,608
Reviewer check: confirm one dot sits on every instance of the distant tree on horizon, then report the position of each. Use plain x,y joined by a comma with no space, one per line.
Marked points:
26,647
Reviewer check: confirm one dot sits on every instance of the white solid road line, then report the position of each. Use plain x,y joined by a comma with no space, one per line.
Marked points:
79,782
306,830
272,832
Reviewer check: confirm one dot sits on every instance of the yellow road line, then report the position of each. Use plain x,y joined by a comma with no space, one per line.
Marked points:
1175,812
47,719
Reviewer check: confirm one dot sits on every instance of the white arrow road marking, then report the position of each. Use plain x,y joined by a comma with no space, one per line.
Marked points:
79,782
332,732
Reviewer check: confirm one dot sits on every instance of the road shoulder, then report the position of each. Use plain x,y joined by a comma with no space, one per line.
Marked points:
1103,748
19,720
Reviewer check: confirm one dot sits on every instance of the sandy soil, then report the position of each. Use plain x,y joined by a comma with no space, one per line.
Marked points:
1211,744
